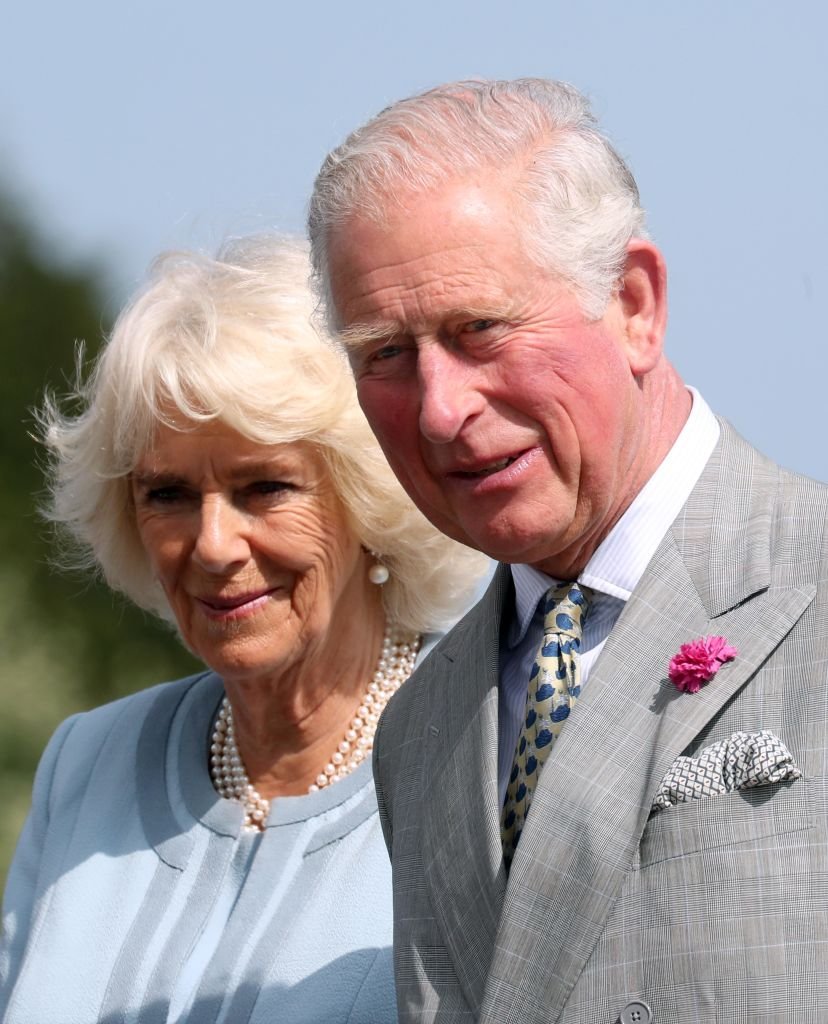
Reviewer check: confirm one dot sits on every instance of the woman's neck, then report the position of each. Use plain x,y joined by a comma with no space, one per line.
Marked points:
289,725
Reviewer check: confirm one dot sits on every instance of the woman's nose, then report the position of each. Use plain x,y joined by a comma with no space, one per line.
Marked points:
222,535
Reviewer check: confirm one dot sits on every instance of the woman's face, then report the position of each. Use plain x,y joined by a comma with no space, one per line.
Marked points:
250,544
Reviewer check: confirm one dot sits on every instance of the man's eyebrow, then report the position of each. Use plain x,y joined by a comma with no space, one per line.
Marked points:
471,313
357,336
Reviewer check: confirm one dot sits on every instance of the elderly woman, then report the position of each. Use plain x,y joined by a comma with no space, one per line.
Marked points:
209,849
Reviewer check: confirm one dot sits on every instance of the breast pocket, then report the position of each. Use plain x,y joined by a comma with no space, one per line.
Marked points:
745,816
725,890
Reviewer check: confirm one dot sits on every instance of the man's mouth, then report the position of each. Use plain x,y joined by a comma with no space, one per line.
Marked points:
493,467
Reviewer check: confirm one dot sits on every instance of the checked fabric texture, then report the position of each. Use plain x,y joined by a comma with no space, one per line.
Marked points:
742,761
554,685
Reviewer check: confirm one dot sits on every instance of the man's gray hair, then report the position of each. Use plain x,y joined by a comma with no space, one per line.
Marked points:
581,197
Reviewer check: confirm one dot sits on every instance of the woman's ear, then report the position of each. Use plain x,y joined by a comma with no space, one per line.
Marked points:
642,299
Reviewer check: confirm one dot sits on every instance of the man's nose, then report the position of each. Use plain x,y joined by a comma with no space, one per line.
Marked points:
222,540
448,394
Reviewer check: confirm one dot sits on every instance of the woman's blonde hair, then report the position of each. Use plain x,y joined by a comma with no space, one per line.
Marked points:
232,339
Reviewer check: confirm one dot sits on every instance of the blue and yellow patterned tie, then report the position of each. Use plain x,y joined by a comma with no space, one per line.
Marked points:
554,686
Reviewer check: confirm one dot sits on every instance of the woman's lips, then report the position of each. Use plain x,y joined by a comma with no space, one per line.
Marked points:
234,606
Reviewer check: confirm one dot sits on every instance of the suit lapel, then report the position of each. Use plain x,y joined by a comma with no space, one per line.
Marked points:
462,856
711,574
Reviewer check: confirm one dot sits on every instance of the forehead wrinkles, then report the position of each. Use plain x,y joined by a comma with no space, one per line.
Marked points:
416,292
460,247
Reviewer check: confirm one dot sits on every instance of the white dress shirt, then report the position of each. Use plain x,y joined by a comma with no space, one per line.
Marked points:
612,573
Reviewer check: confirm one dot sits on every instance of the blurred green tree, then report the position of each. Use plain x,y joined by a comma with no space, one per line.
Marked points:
67,643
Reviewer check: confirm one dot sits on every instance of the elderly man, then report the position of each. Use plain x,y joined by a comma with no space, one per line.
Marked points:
605,792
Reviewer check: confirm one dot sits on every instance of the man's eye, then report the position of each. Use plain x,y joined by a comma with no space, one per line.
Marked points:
380,360
386,352
476,326
385,359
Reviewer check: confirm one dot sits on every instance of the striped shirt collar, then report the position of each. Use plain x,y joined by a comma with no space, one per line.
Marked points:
620,560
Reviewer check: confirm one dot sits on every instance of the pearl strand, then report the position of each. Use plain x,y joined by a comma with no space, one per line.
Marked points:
396,662
395,665
229,777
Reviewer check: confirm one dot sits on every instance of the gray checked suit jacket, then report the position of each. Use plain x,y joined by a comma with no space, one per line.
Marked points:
712,910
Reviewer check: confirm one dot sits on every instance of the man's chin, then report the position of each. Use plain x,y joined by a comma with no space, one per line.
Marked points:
501,538
505,546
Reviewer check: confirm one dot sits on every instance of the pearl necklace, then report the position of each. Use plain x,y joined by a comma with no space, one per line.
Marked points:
396,662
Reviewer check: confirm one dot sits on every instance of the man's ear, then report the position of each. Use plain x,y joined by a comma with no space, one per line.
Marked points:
643,304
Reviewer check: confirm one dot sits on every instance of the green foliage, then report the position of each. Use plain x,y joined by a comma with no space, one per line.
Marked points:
68,644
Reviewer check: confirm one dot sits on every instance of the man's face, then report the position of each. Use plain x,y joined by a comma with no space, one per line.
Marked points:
513,424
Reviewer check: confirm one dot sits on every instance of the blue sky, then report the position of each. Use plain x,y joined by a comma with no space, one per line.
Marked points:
127,129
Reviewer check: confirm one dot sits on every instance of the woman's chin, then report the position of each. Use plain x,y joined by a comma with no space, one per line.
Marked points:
236,666
238,651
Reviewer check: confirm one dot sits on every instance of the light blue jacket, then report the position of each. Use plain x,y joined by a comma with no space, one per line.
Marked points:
135,895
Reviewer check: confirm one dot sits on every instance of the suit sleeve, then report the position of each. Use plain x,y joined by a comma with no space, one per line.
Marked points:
23,883
385,820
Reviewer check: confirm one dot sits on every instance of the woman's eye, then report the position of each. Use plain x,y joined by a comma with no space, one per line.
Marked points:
265,487
164,495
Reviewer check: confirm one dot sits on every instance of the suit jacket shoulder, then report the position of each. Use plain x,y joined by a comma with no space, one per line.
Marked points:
421,708
607,901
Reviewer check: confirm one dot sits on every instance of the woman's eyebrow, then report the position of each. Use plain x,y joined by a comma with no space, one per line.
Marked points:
152,478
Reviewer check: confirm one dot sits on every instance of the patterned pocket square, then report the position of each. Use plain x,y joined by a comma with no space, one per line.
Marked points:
743,760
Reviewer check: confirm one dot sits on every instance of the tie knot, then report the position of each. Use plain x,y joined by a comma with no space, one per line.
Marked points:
565,609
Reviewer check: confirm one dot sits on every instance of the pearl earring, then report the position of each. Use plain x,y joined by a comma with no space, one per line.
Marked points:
378,573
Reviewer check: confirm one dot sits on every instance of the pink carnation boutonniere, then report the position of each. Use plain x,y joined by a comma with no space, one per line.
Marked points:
697,662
